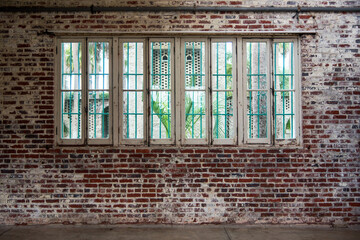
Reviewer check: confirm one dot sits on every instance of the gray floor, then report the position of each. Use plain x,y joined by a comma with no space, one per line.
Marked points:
177,232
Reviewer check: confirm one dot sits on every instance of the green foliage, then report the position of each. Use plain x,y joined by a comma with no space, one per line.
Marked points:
161,108
65,130
190,108
288,125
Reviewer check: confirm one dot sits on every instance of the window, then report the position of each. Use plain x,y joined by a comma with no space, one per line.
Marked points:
85,111
181,90
224,109
194,91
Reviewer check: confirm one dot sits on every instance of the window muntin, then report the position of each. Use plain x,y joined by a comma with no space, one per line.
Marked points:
71,90
223,91
257,95
284,92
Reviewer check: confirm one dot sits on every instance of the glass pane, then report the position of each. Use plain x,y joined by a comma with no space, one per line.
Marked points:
257,114
133,65
98,65
284,65
133,111
71,66
256,65
256,123
160,114
222,65
98,123
71,82
285,115
194,65
222,115
195,120
160,66
71,115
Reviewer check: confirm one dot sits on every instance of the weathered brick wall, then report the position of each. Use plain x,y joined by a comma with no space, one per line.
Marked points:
316,183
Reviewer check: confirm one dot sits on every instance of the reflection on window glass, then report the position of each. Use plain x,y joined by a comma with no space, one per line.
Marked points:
133,98
222,85
195,120
71,90
284,90
257,80
160,90
98,94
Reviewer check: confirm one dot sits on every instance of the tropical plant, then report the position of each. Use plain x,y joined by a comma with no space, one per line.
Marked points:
161,109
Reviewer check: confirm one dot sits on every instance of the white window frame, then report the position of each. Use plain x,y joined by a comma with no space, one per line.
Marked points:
120,81
170,140
248,140
178,91
104,141
234,140
182,91
58,92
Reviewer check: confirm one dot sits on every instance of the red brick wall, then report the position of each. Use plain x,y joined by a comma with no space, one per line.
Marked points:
317,183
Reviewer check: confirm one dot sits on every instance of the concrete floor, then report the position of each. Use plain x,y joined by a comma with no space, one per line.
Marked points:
177,232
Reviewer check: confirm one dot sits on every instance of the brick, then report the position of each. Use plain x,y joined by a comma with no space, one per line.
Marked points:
314,182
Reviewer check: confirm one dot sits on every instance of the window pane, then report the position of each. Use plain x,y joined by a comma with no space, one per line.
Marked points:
194,65
98,122
222,115
284,100
98,101
256,101
222,66
160,114
283,65
160,65
256,65
71,90
222,79
133,120
133,101
257,114
195,120
98,65
71,66
285,115
71,115
133,65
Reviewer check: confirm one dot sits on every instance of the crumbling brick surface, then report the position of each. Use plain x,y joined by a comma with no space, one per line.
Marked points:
317,183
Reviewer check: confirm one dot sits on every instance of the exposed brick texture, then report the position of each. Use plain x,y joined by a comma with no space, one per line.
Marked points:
43,183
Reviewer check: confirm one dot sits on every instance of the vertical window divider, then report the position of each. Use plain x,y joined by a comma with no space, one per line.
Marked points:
272,93
146,92
85,91
210,96
116,91
178,93
240,90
